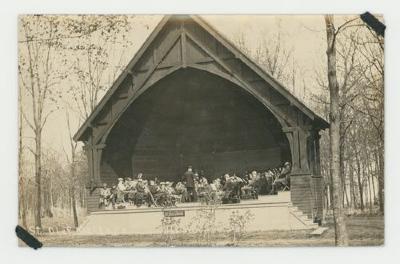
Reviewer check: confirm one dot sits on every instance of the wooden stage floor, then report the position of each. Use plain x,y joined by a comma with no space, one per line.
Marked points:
271,212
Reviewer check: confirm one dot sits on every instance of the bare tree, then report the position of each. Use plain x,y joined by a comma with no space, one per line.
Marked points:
341,236
371,48
21,181
92,66
359,68
72,168
38,77
273,56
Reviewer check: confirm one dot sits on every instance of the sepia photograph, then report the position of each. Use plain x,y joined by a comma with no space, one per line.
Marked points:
201,130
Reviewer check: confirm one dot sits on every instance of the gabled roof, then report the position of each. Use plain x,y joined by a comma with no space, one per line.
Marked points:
225,42
266,76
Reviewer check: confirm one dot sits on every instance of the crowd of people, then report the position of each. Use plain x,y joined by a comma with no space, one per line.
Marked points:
194,187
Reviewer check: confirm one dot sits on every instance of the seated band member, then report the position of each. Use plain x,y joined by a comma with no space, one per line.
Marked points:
169,188
228,182
224,180
128,184
283,180
238,182
254,176
285,172
140,186
269,179
163,186
232,190
153,187
180,189
203,181
105,196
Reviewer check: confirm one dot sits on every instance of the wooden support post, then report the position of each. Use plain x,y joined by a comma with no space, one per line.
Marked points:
183,50
303,151
298,144
97,152
302,191
317,177
93,152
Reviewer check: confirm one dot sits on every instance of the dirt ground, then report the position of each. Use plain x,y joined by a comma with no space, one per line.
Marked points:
363,231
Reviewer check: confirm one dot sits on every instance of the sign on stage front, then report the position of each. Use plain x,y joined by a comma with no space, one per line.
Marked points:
174,213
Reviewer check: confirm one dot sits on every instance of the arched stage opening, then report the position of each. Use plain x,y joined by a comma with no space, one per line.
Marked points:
192,117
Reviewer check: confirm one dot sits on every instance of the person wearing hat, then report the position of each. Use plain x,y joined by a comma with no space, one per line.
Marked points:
254,175
169,188
162,186
180,190
127,183
154,188
196,176
188,179
140,186
286,168
156,181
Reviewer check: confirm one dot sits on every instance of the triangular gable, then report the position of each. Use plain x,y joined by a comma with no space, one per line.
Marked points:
179,42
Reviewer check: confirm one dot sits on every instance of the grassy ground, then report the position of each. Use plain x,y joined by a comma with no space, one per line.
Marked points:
363,231
61,220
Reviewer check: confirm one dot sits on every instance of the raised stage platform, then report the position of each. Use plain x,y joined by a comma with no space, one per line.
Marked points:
270,212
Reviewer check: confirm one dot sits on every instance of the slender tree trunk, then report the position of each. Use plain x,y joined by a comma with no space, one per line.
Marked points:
381,180
51,201
341,158
73,180
47,205
22,203
352,193
73,201
367,173
373,173
359,181
341,236
38,174
22,190
345,195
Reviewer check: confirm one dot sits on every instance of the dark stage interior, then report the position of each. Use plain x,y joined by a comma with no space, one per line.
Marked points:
193,118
